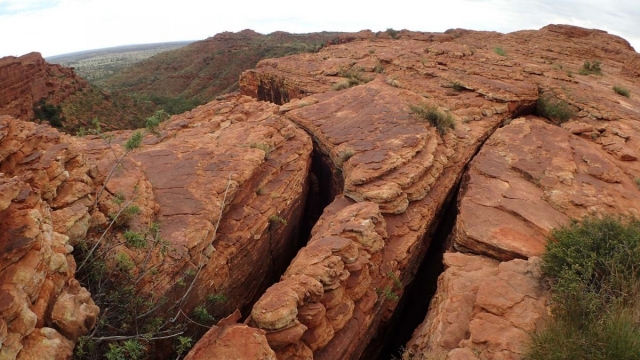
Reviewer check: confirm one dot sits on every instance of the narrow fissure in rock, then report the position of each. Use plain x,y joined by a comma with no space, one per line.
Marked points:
414,303
413,306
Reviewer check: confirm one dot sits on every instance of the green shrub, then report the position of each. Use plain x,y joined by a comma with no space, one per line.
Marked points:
595,283
277,219
135,239
621,91
436,118
591,67
152,122
500,51
553,109
49,112
393,33
127,350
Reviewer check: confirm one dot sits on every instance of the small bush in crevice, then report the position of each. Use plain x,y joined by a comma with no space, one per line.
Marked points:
457,86
592,267
435,117
554,109
591,67
621,91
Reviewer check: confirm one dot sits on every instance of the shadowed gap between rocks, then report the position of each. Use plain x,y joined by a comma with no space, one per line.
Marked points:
318,197
413,305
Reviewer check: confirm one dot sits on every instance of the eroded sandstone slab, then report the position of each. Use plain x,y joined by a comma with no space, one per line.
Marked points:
531,177
484,309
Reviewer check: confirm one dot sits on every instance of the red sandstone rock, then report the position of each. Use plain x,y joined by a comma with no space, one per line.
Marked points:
28,79
221,343
484,309
42,308
531,177
379,152
312,290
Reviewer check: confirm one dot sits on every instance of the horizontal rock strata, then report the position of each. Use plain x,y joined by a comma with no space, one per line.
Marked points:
28,79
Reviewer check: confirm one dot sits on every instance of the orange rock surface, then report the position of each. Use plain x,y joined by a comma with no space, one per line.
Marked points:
380,152
43,309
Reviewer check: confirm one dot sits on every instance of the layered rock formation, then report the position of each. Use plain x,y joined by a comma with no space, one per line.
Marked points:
44,200
484,309
226,183
225,186
234,156
28,79
383,154
29,82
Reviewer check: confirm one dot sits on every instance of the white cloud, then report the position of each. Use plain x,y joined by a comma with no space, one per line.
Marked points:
61,26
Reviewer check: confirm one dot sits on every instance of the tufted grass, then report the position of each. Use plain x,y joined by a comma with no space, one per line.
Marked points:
621,91
441,121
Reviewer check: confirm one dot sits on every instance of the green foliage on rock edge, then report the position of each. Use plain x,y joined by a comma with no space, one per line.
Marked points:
594,270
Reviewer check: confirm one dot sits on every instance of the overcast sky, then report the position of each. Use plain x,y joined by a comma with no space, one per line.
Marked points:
55,27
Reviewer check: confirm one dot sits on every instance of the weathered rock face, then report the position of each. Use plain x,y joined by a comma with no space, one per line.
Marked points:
386,155
28,79
221,342
484,309
326,292
531,177
43,309
226,183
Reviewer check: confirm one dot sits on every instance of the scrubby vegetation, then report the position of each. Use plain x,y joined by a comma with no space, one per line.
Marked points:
593,268
393,33
173,105
591,67
353,77
457,86
441,121
49,112
178,80
116,110
554,109
621,91
500,51
133,322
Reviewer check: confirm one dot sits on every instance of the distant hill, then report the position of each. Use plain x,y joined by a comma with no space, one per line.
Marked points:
197,73
99,64
33,89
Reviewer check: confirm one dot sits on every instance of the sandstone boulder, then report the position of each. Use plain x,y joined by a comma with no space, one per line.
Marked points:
484,309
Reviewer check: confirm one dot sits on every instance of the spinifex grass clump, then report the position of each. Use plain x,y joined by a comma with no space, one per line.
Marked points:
594,271
554,109
353,77
441,121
